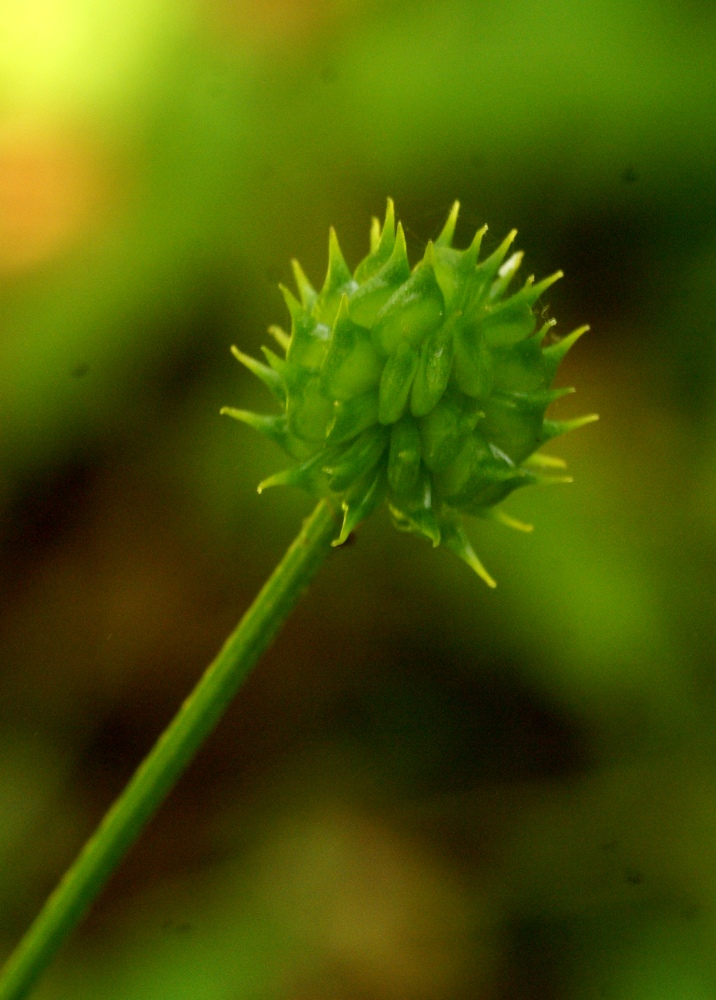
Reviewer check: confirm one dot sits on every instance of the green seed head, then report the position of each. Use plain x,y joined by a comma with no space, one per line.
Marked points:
425,387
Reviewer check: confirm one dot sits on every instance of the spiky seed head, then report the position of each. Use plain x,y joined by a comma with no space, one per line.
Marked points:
424,387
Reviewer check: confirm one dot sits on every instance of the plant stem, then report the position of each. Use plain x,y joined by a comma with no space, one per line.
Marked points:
172,752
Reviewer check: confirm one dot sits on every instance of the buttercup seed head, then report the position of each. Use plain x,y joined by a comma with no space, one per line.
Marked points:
426,388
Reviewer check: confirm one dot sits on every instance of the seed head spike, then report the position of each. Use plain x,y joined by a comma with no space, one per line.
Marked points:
280,336
374,234
378,281
270,378
278,364
382,241
338,273
287,477
540,461
494,261
555,428
455,539
534,292
429,255
511,522
427,388
272,426
306,290
339,281
477,291
360,502
547,396
417,519
387,234
448,230
542,332
555,352
308,475
505,275
295,308
399,256
542,480
472,253
511,265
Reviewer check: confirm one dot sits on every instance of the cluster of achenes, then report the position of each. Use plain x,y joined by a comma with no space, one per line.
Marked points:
426,387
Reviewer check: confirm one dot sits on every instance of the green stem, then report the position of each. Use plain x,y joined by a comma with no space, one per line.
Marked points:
173,751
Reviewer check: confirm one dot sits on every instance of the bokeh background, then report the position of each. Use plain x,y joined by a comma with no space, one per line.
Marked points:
427,791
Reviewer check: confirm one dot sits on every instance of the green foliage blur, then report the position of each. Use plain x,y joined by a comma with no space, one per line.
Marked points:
427,791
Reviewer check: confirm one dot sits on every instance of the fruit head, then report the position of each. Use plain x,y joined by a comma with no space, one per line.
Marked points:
426,387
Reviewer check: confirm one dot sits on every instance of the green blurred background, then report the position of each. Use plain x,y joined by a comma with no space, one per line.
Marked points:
427,791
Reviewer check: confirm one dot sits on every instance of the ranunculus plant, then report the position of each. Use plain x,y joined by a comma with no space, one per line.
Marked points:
423,387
